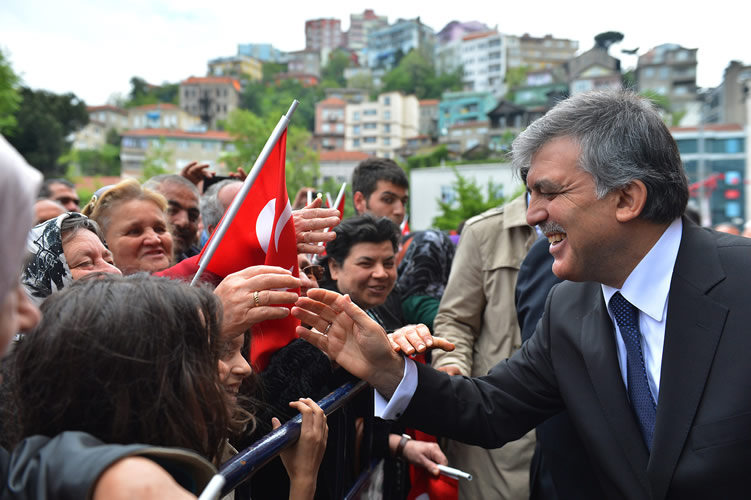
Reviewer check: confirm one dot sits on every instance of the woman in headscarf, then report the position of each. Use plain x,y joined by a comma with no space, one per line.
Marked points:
61,250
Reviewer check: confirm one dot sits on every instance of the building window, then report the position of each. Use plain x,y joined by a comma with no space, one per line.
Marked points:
387,141
340,128
369,126
387,128
370,112
387,115
356,142
387,101
326,127
356,130
369,140
356,115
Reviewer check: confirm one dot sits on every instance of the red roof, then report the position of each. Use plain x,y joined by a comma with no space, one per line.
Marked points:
159,105
340,155
213,80
178,134
482,34
715,127
333,101
106,107
429,102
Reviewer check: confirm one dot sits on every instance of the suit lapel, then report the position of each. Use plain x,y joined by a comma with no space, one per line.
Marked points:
692,331
599,351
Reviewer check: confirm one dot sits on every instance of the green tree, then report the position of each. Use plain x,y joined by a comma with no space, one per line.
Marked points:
264,100
334,68
92,162
271,69
10,99
416,74
606,39
250,133
158,160
469,201
143,93
432,159
44,122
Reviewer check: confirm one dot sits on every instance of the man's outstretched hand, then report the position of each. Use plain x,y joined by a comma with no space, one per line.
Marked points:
354,340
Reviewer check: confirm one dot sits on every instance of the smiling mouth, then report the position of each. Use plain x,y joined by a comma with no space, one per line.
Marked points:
555,238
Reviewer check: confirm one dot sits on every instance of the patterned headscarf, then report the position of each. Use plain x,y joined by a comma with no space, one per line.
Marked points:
47,270
426,265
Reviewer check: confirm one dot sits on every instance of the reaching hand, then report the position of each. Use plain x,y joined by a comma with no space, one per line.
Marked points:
353,340
304,458
417,338
237,293
425,454
239,174
310,223
196,172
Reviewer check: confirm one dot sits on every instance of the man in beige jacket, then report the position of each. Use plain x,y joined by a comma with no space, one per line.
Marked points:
478,315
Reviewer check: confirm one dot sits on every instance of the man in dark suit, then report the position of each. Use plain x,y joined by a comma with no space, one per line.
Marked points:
646,345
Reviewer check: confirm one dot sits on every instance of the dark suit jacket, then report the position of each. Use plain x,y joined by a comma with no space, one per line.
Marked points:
702,439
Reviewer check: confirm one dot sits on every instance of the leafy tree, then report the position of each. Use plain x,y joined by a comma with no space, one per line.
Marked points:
431,159
363,81
10,99
44,121
158,160
469,202
606,39
92,162
143,93
416,74
263,100
334,69
271,69
250,133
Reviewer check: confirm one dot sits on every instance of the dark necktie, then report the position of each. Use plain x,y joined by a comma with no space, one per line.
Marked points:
639,394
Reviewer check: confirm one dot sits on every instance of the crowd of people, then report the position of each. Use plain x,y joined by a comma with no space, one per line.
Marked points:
585,340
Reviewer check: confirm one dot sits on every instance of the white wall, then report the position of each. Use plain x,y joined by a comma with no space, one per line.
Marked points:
427,184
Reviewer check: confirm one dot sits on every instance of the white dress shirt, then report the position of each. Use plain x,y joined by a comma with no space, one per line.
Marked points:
647,288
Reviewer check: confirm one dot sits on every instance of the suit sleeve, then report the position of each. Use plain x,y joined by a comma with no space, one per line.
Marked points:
489,411
459,318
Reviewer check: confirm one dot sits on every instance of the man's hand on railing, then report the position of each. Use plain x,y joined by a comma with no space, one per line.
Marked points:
310,223
304,458
417,338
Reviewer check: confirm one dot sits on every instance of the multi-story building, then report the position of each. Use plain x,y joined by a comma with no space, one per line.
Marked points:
328,133
161,115
539,53
338,165
483,59
727,102
456,107
669,70
102,119
350,95
323,34
182,147
211,98
448,51
240,66
382,126
386,45
264,52
306,61
465,135
428,125
360,26
725,168
305,79
595,69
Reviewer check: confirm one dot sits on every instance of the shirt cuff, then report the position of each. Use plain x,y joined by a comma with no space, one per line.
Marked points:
394,408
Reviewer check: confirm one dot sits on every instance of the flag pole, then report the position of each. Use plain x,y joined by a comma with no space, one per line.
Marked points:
339,197
247,184
328,200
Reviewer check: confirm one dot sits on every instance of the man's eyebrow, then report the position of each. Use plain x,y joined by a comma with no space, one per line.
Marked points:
544,184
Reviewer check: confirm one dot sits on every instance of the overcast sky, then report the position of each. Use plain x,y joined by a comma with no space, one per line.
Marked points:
94,47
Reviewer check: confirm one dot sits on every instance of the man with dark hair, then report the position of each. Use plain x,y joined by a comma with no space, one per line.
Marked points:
645,345
380,187
62,191
182,210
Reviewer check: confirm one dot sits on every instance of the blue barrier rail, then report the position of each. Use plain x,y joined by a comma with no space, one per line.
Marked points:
246,463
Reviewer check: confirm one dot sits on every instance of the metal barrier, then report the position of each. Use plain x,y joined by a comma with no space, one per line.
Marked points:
246,463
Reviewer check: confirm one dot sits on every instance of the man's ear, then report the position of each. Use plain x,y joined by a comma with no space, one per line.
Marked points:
361,203
631,200
334,269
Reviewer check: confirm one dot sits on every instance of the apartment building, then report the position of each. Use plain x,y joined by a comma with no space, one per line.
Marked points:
669,70
595,69
161,115
239,66
306,62
183,147
102,119
539,53
386,44
382,126
328,132
456,107
323,34
264,52
211,98
360,26
484,61
727,102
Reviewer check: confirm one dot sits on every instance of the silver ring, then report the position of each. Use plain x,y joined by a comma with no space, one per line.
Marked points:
255,299
328,327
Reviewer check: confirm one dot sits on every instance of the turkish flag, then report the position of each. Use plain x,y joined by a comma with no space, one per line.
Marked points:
340,206
262,232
